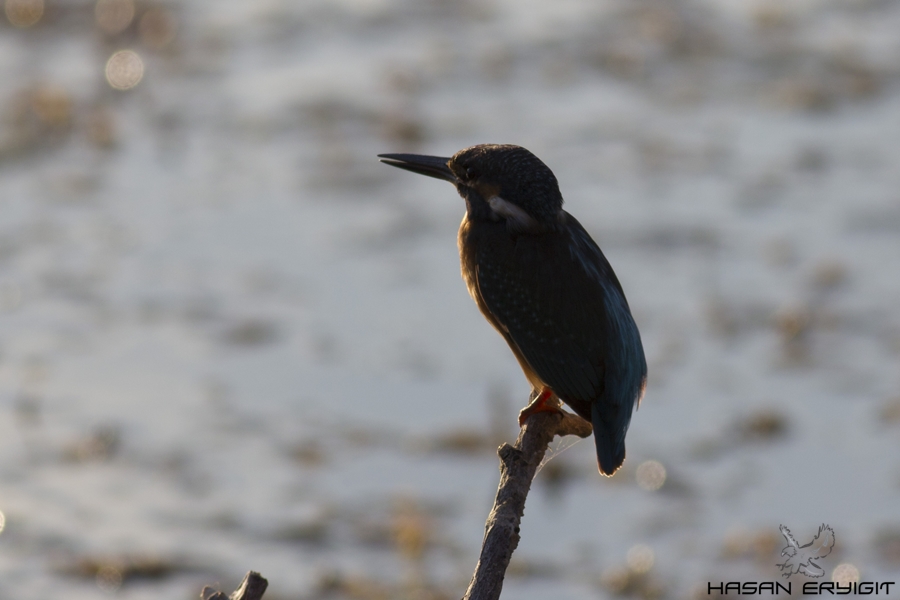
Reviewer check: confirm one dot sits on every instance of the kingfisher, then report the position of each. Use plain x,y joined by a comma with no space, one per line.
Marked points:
540,279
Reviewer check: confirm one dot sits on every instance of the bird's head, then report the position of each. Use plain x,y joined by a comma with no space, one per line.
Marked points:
498,182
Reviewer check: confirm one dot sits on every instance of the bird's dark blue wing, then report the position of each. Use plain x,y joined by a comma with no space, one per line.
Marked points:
557,301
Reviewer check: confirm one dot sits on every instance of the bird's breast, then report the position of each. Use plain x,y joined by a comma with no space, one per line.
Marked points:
475,237
519,281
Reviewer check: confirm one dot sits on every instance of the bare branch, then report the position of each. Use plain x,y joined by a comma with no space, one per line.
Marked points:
252,588
518,465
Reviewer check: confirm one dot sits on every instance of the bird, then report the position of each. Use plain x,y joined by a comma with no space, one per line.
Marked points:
542,282
820,547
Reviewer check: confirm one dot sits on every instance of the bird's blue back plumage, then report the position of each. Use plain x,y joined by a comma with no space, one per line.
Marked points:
623,384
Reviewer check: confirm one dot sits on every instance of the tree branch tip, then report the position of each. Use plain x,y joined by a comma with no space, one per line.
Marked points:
559,423
252,588
208,593
572,424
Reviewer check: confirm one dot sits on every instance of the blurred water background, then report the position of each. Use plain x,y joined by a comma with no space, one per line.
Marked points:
231,339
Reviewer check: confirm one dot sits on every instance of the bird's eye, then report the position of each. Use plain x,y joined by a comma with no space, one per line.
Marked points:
471,173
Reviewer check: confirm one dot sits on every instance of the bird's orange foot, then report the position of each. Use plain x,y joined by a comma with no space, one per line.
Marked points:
545,402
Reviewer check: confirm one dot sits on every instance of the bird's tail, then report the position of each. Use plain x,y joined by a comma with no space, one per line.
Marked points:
609,437
611,412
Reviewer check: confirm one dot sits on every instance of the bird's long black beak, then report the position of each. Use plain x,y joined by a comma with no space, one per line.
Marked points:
433,166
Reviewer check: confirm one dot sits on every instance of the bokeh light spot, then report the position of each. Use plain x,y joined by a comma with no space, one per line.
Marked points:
2,521
113,16
651,475
640,558
109,578
124,70
845,573
24,13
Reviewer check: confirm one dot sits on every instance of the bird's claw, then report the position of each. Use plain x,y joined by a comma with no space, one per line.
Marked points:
546,401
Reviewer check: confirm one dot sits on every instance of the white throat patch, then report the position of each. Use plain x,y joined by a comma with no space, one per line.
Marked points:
519,219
